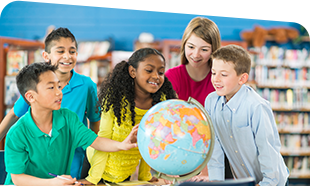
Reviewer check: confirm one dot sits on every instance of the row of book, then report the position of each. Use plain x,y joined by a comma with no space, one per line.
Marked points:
298,166
281,76
297,98
277,56
17,59
295,144
292,122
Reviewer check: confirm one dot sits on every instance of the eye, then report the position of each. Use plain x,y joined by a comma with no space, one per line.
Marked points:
161,73
149,71
205,50
72,52
60,51
59,87
50,87
213,73
190,46
224,75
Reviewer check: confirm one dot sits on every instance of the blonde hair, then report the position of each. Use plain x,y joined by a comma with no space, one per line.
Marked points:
206,30
236,55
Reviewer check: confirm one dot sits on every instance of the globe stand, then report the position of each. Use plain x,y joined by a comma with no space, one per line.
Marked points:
205,162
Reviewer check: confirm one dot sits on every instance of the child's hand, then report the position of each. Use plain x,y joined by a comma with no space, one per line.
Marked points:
85,182
131,140
68,181
154,179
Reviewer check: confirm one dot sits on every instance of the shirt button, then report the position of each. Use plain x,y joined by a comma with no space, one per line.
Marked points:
231,137
227,120
236,151
45,135
234,109
242,165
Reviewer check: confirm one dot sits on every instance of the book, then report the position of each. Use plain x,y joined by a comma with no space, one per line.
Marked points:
11,93
16,60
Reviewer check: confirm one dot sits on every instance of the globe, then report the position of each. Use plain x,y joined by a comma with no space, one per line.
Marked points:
175,137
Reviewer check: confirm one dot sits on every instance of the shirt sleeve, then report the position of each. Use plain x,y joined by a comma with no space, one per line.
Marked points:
268,144
216,163
144,171
20,107
98,159
83,137
92,107
16,157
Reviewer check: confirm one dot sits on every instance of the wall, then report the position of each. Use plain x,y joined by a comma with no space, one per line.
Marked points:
30,20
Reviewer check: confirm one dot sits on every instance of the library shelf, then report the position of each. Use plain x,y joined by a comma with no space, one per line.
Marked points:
8,44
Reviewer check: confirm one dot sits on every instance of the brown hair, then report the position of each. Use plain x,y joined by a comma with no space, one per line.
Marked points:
206,30
236,55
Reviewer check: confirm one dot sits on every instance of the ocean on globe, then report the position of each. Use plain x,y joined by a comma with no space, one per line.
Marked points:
174,137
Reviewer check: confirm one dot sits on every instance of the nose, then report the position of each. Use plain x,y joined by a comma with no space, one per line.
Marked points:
196,53
215,77
58,91
66,55
155,75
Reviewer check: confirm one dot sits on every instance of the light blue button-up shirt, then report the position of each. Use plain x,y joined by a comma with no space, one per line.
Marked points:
245,130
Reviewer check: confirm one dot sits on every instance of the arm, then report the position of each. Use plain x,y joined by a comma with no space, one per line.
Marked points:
94,126
25,180
268,145
7,122
109,145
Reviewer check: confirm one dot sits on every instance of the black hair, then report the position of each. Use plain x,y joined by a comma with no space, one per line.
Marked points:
55,35
117,90
29,76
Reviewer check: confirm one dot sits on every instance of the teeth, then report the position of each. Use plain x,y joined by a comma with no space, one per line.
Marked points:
66,63
153,83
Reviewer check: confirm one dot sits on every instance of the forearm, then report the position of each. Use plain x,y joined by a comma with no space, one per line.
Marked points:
25,180
94,126
106,145
7,122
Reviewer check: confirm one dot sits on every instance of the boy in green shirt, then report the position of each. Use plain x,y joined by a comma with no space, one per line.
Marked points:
44,140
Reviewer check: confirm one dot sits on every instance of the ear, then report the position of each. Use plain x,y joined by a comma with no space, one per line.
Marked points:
243,78
45,56
132,71
29,95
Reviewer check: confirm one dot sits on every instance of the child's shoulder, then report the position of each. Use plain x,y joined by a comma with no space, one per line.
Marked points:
85,80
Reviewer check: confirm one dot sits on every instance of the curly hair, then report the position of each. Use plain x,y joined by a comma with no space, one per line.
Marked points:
117,91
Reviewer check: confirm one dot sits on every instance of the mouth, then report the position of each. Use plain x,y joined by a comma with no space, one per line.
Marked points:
196,61
218,87
153,83
65,63
58,101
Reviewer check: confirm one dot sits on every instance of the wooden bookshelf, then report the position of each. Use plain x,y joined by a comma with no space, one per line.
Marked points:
6,43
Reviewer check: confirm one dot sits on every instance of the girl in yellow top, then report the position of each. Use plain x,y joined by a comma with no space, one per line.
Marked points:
127,93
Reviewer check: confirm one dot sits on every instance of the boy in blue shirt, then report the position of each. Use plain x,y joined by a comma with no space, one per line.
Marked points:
44,139
79,92
244,125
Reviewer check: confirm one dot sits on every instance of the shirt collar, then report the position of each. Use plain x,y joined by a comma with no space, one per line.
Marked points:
75,81
234,103
58,123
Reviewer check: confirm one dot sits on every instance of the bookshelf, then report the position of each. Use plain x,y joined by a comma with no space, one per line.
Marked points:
9,45
282,77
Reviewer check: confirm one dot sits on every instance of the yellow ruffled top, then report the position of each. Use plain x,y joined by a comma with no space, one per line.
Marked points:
117,166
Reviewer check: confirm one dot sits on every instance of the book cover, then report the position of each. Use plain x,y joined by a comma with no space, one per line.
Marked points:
11,93
16,60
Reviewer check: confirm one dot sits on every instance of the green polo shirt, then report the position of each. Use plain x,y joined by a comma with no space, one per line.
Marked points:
30,151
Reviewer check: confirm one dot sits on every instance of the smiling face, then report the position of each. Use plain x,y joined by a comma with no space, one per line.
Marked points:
63,53
197,51
149,75
225,79
48,95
